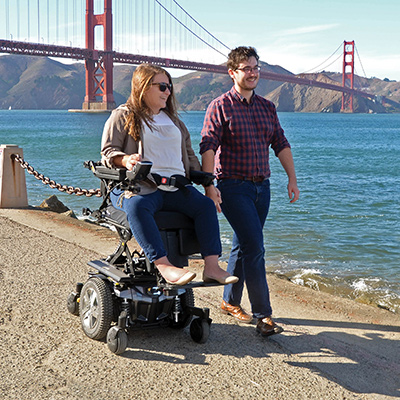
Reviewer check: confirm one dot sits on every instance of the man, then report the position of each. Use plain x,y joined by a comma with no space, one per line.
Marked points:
238,129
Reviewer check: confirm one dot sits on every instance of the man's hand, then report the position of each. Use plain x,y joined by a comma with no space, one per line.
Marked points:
286,159
293,191
215,195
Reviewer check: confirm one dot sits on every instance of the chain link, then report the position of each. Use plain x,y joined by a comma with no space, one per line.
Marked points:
54,185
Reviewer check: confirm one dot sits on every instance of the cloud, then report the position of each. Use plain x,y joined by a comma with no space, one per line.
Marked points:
307,29
381,66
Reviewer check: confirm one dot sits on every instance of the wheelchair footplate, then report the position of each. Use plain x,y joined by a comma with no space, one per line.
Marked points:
120,276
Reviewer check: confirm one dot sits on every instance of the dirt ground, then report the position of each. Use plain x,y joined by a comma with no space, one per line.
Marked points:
332,348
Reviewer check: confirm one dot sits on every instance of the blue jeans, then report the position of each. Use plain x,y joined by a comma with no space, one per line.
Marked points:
245,205
140,210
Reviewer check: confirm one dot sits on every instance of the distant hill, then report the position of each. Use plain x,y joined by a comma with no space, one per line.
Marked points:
42,83
300,98
195,91
39,83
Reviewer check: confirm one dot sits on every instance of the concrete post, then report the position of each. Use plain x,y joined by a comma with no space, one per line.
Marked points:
12,179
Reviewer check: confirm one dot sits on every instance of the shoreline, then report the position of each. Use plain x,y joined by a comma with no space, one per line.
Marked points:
319,283
331,348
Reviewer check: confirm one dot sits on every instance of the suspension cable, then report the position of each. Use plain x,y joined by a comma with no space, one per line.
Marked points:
18,22
305,72
328,65
48,21
7,15
29,22
66,22
188,29
359,59
38,22
201,26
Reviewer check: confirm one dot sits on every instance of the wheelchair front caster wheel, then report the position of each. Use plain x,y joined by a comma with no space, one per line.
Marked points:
72,304
117,340
200,330
73,300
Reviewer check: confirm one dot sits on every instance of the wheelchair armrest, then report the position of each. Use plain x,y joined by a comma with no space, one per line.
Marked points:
139,172
103,172
202,178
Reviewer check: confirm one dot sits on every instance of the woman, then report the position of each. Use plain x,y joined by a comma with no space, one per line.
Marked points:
147,127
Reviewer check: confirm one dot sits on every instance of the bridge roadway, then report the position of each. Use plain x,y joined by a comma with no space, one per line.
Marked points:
37,49
332,348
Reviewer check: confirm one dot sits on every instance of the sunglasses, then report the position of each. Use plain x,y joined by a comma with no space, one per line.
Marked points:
163,86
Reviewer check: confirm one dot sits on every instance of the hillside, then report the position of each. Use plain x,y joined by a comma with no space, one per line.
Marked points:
299,98
196,90
42,83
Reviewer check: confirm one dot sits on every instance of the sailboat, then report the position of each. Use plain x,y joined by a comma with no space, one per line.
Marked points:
9,108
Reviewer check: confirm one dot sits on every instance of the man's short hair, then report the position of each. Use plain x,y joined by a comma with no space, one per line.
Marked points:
240,54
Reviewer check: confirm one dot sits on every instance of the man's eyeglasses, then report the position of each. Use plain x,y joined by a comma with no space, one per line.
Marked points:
247,70
163,86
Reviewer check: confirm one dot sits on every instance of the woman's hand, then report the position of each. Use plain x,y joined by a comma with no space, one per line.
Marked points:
127,161
215,195
131,161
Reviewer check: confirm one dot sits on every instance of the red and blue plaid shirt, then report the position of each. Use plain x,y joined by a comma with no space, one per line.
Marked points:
240,134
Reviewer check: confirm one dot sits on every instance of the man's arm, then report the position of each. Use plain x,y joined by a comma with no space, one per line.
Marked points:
212,192
286,158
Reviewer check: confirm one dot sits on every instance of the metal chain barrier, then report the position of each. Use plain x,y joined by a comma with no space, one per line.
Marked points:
54,185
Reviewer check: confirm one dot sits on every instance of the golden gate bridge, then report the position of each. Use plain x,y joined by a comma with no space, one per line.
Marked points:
123,34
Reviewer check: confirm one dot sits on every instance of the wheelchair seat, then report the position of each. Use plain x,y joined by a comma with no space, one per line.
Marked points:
176,229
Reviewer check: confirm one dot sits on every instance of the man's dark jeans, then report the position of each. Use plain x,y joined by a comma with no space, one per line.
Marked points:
245,205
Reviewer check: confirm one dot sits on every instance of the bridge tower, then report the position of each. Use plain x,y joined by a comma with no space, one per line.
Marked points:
99,71
348,76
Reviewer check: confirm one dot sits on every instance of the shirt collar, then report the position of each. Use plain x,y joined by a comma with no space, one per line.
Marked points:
236,95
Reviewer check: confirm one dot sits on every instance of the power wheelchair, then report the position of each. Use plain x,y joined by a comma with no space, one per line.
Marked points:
125,290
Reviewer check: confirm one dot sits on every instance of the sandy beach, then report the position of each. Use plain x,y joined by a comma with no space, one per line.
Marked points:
332,348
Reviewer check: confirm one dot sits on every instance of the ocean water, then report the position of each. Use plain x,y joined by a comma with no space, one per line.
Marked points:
342,236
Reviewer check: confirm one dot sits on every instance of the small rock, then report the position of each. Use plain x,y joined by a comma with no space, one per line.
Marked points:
70,213
53,204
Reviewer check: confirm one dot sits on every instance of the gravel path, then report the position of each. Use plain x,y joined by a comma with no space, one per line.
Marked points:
332,348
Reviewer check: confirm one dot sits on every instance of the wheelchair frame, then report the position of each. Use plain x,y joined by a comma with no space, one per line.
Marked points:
125,291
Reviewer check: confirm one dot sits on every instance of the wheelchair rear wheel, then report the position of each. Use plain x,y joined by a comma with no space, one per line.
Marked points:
96,308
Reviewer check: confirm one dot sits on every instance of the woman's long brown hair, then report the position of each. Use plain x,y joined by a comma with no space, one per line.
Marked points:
139,112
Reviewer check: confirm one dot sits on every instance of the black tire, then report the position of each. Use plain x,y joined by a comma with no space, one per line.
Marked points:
72,304
200,330
96,308
117,340
184,318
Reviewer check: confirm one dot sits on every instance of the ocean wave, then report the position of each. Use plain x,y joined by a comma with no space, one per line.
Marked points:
367,290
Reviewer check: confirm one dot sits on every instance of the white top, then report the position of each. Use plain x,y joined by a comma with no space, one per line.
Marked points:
162,146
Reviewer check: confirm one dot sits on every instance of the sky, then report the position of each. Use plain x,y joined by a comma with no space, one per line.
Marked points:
299,35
